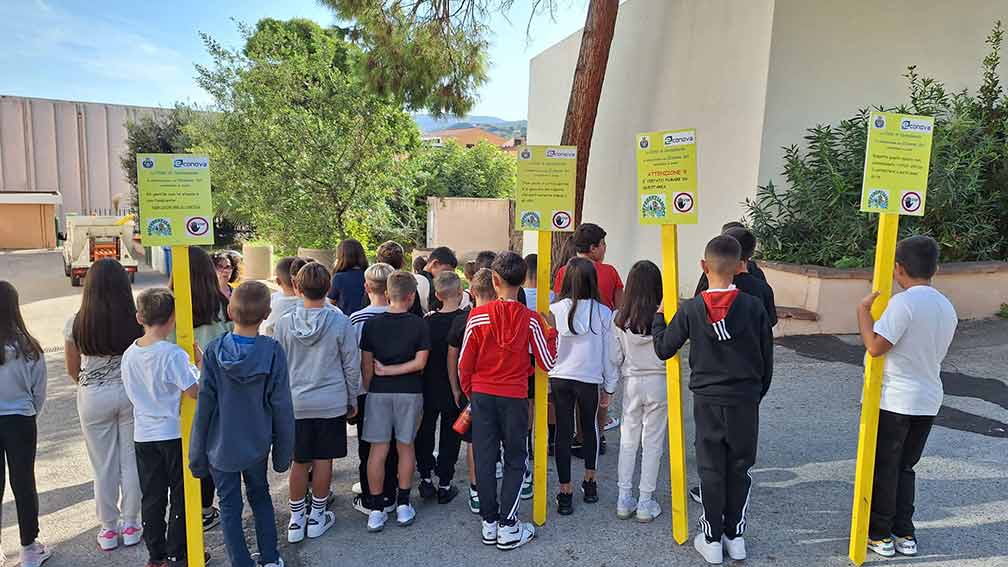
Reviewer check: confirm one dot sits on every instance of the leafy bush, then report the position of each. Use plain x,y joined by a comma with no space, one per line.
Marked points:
816,220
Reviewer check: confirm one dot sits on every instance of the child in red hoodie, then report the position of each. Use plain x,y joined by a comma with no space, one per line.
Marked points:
493,372
731,363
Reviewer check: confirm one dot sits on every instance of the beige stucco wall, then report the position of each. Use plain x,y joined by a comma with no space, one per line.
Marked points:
750,77
65,146
829,58
468,226
673,64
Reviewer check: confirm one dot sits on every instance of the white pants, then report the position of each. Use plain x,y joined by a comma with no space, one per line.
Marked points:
106,417
645,422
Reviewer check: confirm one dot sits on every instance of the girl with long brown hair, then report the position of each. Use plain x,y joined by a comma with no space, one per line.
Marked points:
96,337
22,395
347,289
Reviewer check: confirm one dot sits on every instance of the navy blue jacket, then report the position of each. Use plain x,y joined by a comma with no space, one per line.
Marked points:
244,408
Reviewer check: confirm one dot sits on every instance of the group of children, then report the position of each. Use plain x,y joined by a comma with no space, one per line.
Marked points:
410,372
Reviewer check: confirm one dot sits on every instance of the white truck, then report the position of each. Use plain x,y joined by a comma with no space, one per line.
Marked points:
91,238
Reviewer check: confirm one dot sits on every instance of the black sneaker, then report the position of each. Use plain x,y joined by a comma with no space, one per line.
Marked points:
565,504
577,450
446,495
211,519
694,494
426,489
590,490
602,445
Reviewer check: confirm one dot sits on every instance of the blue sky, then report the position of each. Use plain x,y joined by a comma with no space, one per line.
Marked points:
129,52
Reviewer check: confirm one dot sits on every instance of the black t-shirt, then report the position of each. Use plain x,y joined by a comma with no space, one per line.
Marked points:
457,331
395,338
436,388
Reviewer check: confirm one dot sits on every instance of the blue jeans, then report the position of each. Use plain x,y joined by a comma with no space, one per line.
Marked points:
229,486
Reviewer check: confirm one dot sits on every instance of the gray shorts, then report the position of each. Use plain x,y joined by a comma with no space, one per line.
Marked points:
385,412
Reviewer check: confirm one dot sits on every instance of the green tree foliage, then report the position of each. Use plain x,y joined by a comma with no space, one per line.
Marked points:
299,144
482,171
816,220
157,134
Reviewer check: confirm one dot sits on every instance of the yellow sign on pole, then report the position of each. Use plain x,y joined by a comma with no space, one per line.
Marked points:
667,196
176,210
667,177
544,202
897,158
544,199
175,203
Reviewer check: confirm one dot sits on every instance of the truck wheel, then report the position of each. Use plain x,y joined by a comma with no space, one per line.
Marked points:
66,268
75,281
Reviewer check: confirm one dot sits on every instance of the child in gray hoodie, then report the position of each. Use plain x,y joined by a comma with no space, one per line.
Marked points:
244,409
325,380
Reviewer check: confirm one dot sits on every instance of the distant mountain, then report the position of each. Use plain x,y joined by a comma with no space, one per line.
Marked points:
503,129
428,123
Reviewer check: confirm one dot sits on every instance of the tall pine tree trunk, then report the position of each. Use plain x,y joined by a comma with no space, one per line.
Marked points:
582,108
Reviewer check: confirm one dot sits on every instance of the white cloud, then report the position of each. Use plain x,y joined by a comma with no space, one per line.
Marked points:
41,5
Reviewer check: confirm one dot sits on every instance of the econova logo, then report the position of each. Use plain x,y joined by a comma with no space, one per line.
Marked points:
879,122
561,153
916,125
147,163
680,138
191,163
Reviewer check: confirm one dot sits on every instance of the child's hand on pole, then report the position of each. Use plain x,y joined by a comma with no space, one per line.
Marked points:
661,307
868,301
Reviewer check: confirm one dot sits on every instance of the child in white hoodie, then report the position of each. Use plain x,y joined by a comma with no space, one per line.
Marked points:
645,405
583,364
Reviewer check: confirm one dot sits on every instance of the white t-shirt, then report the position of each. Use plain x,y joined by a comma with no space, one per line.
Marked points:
532,294
920,323
361,316
154,378
280,305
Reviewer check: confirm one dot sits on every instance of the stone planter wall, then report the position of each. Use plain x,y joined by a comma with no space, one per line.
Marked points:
258,260
817,300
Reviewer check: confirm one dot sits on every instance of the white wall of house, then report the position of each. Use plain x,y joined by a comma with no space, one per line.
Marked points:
750,76
673,64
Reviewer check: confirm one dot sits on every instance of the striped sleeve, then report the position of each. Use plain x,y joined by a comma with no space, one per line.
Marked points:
470,350
542,339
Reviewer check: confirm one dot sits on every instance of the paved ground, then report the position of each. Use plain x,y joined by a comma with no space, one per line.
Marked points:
799,514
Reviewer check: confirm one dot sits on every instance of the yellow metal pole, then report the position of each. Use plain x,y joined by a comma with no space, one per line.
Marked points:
184,334
885,257
541,387
676,433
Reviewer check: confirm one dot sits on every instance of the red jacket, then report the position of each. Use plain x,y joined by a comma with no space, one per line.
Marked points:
494,357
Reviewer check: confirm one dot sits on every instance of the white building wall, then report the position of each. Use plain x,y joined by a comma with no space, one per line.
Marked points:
673,64
829,58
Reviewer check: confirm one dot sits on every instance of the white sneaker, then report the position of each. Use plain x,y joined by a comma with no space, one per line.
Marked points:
517,535
35,554
3,558
356,488
648,510
611,423
405,514
500,470
905,545
296,528
625,507
489,533
710,551
376,520
318,525
735,548
108,539
132,534
279,563
883,547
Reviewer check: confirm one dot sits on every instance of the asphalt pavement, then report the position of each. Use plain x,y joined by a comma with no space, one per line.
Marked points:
799,514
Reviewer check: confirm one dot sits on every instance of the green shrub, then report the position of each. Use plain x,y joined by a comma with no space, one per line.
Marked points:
816,219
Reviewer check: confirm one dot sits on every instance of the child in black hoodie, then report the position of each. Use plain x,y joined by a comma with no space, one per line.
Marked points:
731,364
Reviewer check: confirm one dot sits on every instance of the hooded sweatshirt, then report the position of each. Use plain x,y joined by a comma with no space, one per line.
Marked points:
584,345
244,407
634,354
494,356
731,345
325,364
22,383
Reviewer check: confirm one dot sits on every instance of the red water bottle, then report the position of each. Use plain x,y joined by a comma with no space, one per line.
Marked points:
464,421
